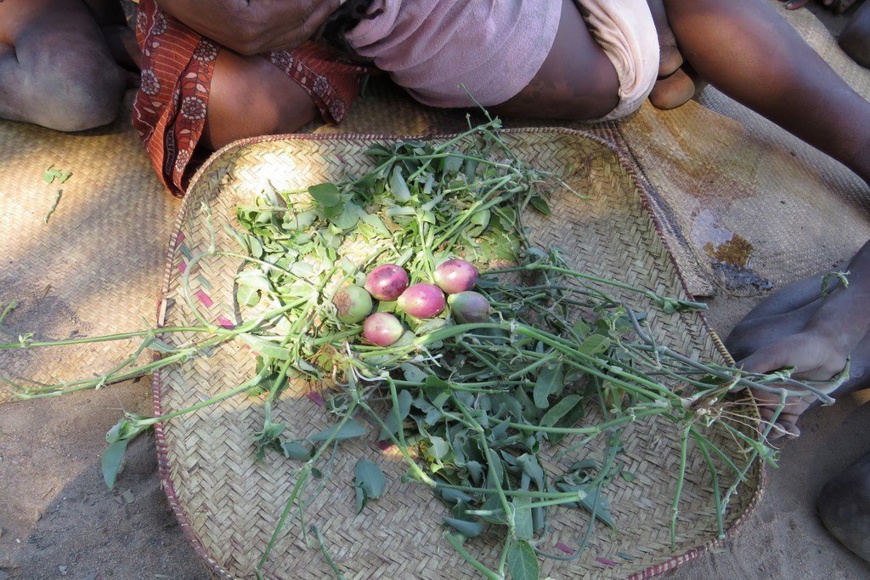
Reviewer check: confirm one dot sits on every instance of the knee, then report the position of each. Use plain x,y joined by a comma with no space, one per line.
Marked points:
76,89
844,507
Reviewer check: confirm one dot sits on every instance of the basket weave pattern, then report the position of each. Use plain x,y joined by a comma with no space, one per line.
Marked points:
230,503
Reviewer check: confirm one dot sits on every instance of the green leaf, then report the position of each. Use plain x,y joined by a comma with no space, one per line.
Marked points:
377,225
569,419
435,383
248,296
295,451
522,561
413,373
438,448
595,344
255,279
452,164
523,523
265,347
477,223
454,496
370,478
349,430
378,151
466,528
540,204
326,194
398,186
532,469
332,211
549,382
302,270
348,218
299,221
602,509
113,456
393,422
361,499
559,410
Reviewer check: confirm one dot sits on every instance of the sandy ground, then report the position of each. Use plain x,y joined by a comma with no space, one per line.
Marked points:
58,520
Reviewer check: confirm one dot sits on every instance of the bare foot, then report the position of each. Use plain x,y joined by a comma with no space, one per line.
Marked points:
844,507
675,89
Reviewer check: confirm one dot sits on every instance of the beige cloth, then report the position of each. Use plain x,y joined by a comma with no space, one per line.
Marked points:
626,32
494,48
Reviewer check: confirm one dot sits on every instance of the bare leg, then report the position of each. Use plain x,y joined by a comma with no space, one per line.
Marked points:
55,66
751,54
576,81
250,96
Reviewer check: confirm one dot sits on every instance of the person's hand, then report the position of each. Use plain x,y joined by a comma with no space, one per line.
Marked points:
814,356
836,6
253,26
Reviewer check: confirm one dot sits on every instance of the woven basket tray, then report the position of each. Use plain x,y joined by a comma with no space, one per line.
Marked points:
229,503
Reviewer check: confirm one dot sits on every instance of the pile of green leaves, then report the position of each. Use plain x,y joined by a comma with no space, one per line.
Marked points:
470,406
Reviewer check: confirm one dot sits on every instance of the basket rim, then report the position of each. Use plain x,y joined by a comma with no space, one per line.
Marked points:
625,162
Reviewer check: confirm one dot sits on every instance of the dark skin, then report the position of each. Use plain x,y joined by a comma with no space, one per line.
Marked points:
797,327
249,27
855,38
59,62
844,507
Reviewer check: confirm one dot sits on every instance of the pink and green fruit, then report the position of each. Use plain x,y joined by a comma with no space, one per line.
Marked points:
353,304
387,282
382,329
469,306
454,276
422,301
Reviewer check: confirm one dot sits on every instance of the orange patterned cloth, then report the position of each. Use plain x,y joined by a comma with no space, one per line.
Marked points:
177,67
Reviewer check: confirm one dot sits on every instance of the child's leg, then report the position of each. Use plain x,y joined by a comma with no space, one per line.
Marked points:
576,81
747,51
250,96
55,66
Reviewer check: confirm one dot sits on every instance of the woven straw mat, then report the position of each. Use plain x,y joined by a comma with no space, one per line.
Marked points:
745,205
94,267
229,503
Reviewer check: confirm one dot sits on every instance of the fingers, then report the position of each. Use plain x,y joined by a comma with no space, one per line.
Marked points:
765,360
785,425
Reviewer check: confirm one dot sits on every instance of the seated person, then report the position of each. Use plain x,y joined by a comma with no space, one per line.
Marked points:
64,64
197,95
